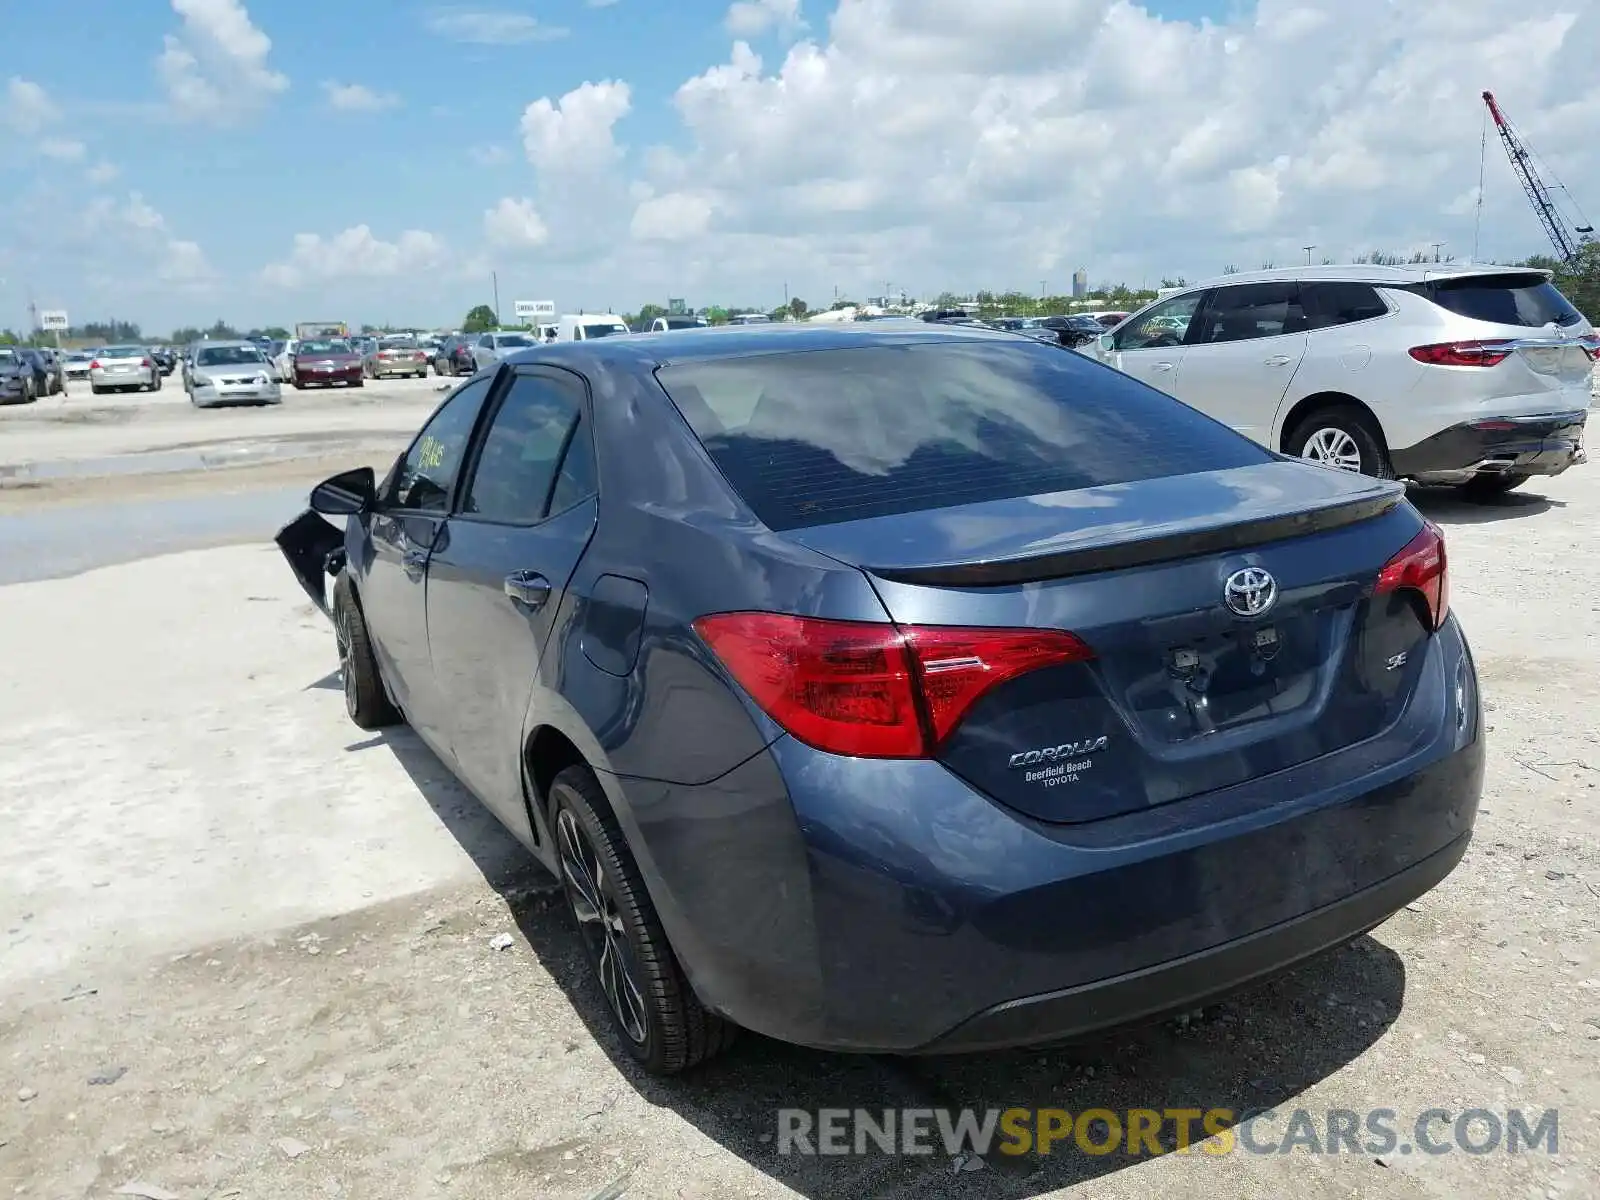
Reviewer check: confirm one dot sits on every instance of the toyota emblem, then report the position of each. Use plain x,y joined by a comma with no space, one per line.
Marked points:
1250,593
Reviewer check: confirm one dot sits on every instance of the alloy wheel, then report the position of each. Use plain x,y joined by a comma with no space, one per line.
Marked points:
593,901
347,674
1333,447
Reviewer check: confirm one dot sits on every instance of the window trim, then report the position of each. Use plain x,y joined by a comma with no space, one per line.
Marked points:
388,507
562,378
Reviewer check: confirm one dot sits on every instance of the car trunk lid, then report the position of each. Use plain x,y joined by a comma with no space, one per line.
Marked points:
1184,694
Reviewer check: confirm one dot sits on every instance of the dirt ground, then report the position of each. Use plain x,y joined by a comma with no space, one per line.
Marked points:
247,948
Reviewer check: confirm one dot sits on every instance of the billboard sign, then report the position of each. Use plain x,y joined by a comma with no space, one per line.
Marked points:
532,310
53,319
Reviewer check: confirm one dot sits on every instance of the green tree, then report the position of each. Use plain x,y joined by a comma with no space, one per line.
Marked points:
649,312
716,315
798,309
276,332
1578,278
480,318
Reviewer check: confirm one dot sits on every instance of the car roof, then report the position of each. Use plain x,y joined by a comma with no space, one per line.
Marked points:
1379,276
646,352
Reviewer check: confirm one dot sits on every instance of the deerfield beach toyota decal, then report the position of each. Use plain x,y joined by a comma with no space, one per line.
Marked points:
1059,764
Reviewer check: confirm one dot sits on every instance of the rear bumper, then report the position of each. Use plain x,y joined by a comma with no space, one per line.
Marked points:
1545,444
889,907
1185,983
379,370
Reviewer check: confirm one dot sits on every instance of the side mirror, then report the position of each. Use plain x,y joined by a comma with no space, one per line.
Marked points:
347,494
1105,343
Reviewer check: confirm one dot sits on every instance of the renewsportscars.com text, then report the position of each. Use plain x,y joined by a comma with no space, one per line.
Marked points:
1151,1131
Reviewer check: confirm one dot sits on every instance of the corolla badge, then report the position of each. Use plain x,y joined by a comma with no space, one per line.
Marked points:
1250,593
1050,754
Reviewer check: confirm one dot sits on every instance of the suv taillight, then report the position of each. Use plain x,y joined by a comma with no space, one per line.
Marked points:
1591,345
1461,354
871,689
1420,566
94,365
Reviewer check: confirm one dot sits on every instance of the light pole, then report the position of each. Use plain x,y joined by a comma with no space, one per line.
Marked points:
1438,246
1308,250
494,277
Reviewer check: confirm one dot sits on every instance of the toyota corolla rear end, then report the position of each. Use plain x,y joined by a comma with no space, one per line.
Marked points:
1140,713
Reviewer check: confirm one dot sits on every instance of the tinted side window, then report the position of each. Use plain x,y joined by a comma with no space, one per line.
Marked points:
1531,301
838,435
428,472
1164,325
576,479
1329,304
522,451
1250,310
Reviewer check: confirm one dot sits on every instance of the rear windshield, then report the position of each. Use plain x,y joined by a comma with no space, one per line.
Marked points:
227,356
122,352
323,347
512,339
1527,300
838,435
398,343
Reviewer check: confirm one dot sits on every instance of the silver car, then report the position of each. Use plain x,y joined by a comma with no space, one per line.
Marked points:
77,363
231,373
490,348
1476,377
395,355
123,368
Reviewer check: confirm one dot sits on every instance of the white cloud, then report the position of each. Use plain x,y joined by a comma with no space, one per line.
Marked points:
215,68
674,217
950,144
138,228
514,224
356,97
62,149
752,18
491,26
354,254
574,133
28,107
489,156
102,172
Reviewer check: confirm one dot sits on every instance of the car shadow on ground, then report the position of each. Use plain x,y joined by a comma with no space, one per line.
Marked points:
1255,1052
1446,506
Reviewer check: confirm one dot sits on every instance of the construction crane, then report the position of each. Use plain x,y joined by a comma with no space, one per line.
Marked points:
1565,238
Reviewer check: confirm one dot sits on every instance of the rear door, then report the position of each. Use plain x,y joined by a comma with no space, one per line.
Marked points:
1151,349
404,527
497,575
1242,354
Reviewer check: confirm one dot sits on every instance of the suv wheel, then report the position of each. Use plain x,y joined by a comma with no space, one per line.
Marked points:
1341,438
653,1009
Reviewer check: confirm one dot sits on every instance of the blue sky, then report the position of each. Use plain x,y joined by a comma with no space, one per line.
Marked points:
170,158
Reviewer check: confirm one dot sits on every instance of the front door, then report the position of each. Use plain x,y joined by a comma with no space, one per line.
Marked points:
1242,354
404,528
1151,347
496,580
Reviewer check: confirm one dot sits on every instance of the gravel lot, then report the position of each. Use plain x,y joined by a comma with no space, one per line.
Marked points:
247,948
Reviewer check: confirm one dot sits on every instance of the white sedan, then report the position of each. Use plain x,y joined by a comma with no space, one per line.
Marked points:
121,368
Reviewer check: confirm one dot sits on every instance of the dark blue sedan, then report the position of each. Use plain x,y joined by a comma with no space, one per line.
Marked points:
906,689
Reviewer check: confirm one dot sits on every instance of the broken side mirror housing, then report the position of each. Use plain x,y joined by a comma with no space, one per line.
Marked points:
345,494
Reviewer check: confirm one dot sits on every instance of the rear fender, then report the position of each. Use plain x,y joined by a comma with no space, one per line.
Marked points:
313,546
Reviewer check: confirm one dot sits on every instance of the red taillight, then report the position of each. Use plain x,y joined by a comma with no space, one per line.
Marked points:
145,362
1591,345
869,689
1421,567
1461,354
95,365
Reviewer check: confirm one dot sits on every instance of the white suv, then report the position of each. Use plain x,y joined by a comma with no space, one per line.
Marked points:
1475,376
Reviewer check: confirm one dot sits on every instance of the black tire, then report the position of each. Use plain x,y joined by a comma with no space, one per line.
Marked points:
364,697
1325,424
1489,485
299,385
359,383
671,1031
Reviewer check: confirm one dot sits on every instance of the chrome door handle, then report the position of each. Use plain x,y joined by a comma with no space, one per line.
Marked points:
528,588
1279,360
1161,366
414,563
